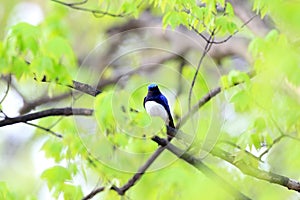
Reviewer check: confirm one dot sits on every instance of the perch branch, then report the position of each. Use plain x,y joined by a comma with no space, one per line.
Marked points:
46,113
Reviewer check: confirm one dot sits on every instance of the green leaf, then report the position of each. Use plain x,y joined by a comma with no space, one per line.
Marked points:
255,45
130,7
19,67
120,140
43,66
56,175
73,168
172,18
241,100
199,12
229,9
104,111
72,192
261,7
221,24
32,44
225,82
267,138
5,193
272,36
263,11
260,124
62,75
255,140
53,149
221,2
231,27
58,48
26,37
25,29
141,119
236,77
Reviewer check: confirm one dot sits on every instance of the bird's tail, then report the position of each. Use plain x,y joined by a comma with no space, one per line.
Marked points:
172,126
171,123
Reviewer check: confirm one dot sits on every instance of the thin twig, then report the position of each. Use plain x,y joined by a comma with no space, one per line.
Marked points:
238,147
55,123
180,85
14,87
212,93
229,37
96,13
5,116
78,3
277,140
206,49
45,129
7,89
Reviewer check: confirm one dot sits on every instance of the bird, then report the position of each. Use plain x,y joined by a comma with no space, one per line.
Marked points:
156,104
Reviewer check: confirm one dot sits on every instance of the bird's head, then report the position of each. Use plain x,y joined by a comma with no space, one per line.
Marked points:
152,87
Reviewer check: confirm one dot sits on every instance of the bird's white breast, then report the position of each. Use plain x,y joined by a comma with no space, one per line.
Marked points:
155,109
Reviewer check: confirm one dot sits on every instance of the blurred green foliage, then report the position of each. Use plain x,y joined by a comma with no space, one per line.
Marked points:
269,102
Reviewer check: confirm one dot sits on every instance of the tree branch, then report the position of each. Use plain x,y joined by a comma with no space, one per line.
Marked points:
197,163
46,113
93,193
85,88
206,98
141,171
28,106
245,167
82,87
122,190
248,169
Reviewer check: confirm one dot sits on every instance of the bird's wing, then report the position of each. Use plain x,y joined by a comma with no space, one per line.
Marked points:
144,102
166,106
165,102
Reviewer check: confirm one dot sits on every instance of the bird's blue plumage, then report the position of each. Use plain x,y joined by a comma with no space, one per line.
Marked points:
155,95
164,102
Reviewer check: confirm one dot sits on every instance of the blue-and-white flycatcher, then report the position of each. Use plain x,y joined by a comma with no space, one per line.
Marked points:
156,104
